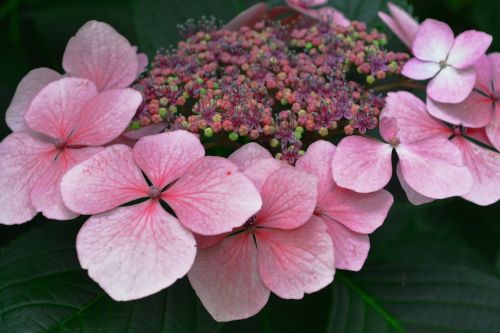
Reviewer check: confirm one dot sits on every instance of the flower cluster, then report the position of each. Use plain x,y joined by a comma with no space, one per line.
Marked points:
268,84
129,149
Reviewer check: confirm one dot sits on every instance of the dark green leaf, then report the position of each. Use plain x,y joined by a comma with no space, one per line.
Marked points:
425,278
43,289
156,20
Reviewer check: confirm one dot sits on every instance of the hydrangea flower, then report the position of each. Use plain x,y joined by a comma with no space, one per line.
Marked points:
431,166
482,107
136,250
415,124
447,60
349,216
97,52
276,250
67,120
402,24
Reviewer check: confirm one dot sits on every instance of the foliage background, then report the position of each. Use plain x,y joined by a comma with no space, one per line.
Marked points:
434,268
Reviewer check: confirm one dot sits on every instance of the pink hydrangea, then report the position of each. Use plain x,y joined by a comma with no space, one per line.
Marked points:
401,23
447,60
483,163
482,107
349,216
432,166
66,123
276,250
97,52
136,250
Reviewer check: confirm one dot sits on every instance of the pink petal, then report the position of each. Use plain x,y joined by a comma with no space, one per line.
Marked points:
468,47
478,134
493,128
395,28
227,281
475,111
249,17
434,168
360,212
145,131
484,165
388,128
165,157
414,123
135,251
318,161
414,197
331,15
350,248
306,3
433,41
249,154
55,111
288,199
361,164
452,85
98,53
203,242
494,59
27,89
213,197
408,25
259,172
103,182
105,117
485,74
24,159
142,63
298,261
420,70
46,195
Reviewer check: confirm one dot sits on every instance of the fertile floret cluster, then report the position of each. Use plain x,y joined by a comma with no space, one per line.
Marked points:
268,83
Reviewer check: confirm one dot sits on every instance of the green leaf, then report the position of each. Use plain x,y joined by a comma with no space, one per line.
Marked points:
43,289
425,278
156,20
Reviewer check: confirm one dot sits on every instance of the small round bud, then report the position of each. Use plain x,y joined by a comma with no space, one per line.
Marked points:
208,132
233,136
162,112
274,143
135,125
323,131
370,79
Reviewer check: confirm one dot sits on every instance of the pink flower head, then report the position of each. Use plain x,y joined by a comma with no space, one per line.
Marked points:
349,216
401,23
276,250
482,107
325,14
448,60
137,250
431,165
97,52
415,124
67,120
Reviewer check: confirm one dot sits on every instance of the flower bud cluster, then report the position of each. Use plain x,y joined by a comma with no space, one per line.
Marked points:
269,83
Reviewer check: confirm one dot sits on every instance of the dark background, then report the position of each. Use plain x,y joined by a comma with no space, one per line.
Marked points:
452,243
